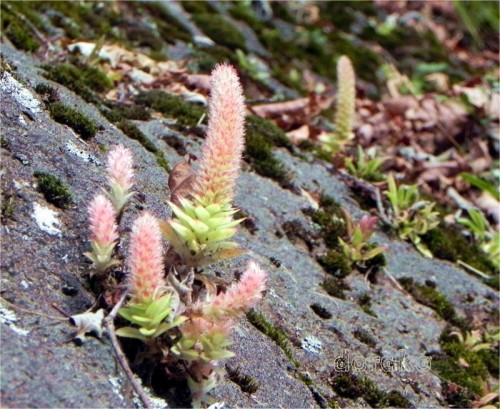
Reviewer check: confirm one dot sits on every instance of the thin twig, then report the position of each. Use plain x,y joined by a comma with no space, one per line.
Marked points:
31,312
122,359
380,208
472,269
395,282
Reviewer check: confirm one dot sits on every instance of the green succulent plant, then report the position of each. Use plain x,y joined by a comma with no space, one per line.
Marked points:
411,216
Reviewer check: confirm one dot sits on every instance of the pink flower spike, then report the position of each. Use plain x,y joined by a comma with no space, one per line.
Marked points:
102,219
145,259
240,296
221,153
367,225
120,167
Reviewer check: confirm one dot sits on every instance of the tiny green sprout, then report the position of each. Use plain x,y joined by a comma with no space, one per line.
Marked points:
357,248
480,229
253,66
476,223
366,167
411,216
473,340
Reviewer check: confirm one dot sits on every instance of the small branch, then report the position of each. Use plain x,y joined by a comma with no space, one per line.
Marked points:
380,208
122,359
472,269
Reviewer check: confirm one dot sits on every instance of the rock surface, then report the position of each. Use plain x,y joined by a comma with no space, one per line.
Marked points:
43,265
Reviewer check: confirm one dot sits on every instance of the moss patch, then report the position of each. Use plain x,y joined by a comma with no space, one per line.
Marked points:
365,302
54,190
365,337
83,81
279,336
429,296
321,311
446,242
129,129
335,287
449,365
67,115
17,31
246,383
258,153
336,263
220,30
268,130
350,386
330,217
171,106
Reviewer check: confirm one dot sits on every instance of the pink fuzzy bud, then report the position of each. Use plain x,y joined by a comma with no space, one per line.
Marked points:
240,296
146,259
221,153
102,219
367,225
120,167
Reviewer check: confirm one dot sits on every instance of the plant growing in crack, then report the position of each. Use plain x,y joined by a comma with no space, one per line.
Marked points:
357,248
181,315
409,215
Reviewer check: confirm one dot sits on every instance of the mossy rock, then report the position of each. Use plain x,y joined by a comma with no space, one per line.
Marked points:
336,263
171,106
447,242
220,30
17,32
67,115
54,190
335,287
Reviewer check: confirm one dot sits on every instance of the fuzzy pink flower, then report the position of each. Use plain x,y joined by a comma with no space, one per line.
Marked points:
367,225
221,153
145,259
120,167
102,219
240,296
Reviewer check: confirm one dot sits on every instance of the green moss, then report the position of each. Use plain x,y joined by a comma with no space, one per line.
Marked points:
119,112
17,32
243,12
169,27
490,359
129,129
335,287
365,337
446,242
331,218
432,298
204,59
450,367
365,302
269,130
4,143
7,204
54,190
246,383
220,30
67,115
336,263
171,106
83,81
197,6
321,311
350,386
258,153
279,336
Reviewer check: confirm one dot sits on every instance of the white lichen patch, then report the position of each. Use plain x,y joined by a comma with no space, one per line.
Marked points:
156,402
9,318
116,385
312,344
80,153
10,86
217,405
46,219
22,120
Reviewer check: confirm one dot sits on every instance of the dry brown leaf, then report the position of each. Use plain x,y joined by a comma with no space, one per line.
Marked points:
180,182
